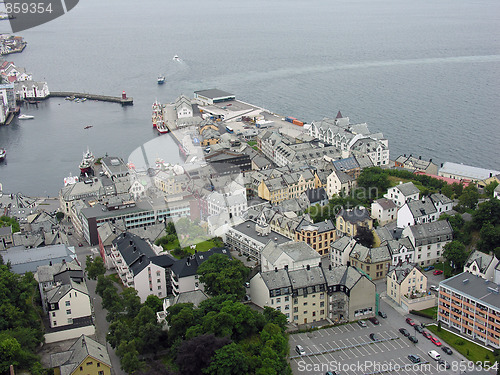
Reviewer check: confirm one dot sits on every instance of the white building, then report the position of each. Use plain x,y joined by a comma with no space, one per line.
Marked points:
376,149
417,212
401,251
183,107
236,205
442,203
290,255
31,90
340,250
139,266
402,193
428,240
461,171
481,264
384,211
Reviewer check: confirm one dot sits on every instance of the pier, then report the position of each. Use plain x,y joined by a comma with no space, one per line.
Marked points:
123,100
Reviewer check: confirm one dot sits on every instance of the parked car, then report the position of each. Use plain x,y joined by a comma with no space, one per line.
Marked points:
404,332
330,373
428,268
300,350
443,364
434,355
419,329
410,321
435,341
374,320
413,339
80,245
382,314
437,272
374,337
447,350
414,358
427,335
434,288
362,323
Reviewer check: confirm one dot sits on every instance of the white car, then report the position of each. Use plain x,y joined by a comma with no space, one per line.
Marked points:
300,350
434,355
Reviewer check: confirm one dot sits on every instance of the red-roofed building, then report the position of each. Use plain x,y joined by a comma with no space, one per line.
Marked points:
448,180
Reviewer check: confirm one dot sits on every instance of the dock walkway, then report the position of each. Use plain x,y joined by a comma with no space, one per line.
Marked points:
102,98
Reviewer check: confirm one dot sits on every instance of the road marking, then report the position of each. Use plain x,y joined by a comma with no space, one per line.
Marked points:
320,333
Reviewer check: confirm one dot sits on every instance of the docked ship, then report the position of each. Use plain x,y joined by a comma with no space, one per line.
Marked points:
70,180
157,113
86,164
161,127
3,154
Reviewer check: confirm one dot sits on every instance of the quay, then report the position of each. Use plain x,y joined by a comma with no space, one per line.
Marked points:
123,100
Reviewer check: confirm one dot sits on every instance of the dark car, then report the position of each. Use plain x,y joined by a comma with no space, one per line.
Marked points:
382,314
404,332
419,329
330,373
374,320
443,363
80,245
414,358
410,321
374,337
447,350
426,334
429,268
413,339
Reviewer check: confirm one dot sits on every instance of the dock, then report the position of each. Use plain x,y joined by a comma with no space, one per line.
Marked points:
103,98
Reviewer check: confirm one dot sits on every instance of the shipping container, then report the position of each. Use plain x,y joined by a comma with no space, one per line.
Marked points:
297,122
290,119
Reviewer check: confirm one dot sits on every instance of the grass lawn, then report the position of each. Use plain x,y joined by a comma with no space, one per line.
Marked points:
252,143
395,181
200,247
470,350
431,312
171,245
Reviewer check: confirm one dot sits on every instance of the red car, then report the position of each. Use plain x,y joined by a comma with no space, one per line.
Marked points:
435,341
426,334
410,321
437,272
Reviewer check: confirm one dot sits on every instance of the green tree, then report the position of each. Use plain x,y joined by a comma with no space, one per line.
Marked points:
129,357
276,317
469,197
6,221
490,188
95,267
489,238
195,354
228,360
154,303
59,216
131,302
455,253
180,318
10,350
222,275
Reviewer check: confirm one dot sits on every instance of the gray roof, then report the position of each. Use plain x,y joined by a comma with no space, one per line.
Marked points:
483,260
213,93
54,295
248,229
316,195
345,164
396,245
189,266
474,287
341,275
343,177
341,243
276,279
82,348
135,251
307,277
320,226
467,171
371,255
385,203
5,231
401,271
46,273
298,251
355,215
194,296
407,189
384,234
419,208
441,198
27,260
433,229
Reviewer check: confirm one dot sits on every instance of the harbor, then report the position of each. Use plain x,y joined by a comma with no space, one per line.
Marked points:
123,100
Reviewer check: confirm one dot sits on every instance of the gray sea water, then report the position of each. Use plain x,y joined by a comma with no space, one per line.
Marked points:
425,73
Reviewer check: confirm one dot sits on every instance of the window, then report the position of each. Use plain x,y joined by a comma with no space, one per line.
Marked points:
159,287
55,323
278,300
68,303
295,309
70,321
98,364
89,363
53,314
68,312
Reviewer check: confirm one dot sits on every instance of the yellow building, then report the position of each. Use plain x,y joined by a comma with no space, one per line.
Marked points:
317,235
349,221
286,187
405,279
85,356
374,262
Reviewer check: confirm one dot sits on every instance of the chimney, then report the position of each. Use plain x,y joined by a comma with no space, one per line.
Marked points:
275,269
329,267
348,264
135,249
188,261
131,242
430,160
308,267
319,265
420,158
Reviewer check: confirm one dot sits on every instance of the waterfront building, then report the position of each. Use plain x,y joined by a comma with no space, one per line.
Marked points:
428,240
31,90
470,306
212,96
183,107
414,164
24,260
460,171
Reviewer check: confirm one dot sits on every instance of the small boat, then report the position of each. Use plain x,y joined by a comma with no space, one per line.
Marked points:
3,153
88,126
161,80
26,117
83,99
176,58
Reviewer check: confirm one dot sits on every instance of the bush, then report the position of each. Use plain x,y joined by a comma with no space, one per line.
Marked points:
460,342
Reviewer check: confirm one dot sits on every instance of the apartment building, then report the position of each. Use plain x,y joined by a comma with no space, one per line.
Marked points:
317,235
428,240
470,305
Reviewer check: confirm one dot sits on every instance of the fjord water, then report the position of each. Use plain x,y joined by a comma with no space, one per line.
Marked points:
425,73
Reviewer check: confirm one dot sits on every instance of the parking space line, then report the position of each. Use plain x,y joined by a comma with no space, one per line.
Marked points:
361,347
327,332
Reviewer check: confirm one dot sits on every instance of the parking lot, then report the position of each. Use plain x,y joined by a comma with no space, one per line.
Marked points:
348,349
